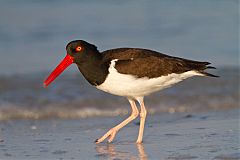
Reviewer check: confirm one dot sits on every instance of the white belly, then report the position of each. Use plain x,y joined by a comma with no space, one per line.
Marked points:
131,86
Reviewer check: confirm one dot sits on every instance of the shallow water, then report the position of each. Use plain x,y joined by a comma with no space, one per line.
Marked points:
180,136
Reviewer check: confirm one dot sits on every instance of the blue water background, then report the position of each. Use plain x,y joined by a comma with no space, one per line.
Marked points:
33,35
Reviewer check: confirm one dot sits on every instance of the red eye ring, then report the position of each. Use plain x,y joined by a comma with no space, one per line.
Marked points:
78,48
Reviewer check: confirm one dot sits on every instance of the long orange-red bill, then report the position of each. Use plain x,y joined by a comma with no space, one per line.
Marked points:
68,60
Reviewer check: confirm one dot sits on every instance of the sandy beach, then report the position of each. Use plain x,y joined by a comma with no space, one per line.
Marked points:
179,136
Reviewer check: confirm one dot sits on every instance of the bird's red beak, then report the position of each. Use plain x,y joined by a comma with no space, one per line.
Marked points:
68,60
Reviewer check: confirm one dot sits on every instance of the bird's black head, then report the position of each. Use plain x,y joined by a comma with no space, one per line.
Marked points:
81,50
78,52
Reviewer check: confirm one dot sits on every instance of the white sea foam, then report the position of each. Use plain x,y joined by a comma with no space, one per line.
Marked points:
22,97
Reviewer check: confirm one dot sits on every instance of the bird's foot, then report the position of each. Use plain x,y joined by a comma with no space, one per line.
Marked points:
111,134
139,141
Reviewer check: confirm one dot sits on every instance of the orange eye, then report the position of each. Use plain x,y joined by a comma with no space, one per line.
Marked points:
78,48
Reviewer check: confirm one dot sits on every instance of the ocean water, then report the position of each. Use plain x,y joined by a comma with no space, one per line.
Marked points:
33,35
22,96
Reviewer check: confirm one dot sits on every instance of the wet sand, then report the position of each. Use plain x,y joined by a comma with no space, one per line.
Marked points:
179,136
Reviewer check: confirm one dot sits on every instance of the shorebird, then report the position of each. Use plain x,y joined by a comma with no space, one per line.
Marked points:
129,72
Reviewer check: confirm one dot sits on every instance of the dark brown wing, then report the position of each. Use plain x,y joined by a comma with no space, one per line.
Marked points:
150,67
147,63
125,54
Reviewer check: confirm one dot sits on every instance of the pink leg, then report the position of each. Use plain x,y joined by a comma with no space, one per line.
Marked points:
143,114
112,132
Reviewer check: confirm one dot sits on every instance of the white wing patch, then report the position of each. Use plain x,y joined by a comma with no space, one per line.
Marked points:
131,86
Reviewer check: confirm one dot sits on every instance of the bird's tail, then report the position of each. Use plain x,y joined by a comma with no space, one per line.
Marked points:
203,72
200,67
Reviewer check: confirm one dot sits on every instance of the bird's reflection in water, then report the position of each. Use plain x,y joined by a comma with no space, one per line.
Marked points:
141,152
117,151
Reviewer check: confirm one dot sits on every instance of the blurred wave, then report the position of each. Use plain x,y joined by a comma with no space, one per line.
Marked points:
70,96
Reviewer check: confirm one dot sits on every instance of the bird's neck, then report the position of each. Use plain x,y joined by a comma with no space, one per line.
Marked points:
93,68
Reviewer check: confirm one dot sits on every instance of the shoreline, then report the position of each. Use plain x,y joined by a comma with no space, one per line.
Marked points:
208,135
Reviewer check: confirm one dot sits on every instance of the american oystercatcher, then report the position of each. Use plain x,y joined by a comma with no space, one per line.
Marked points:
129,72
